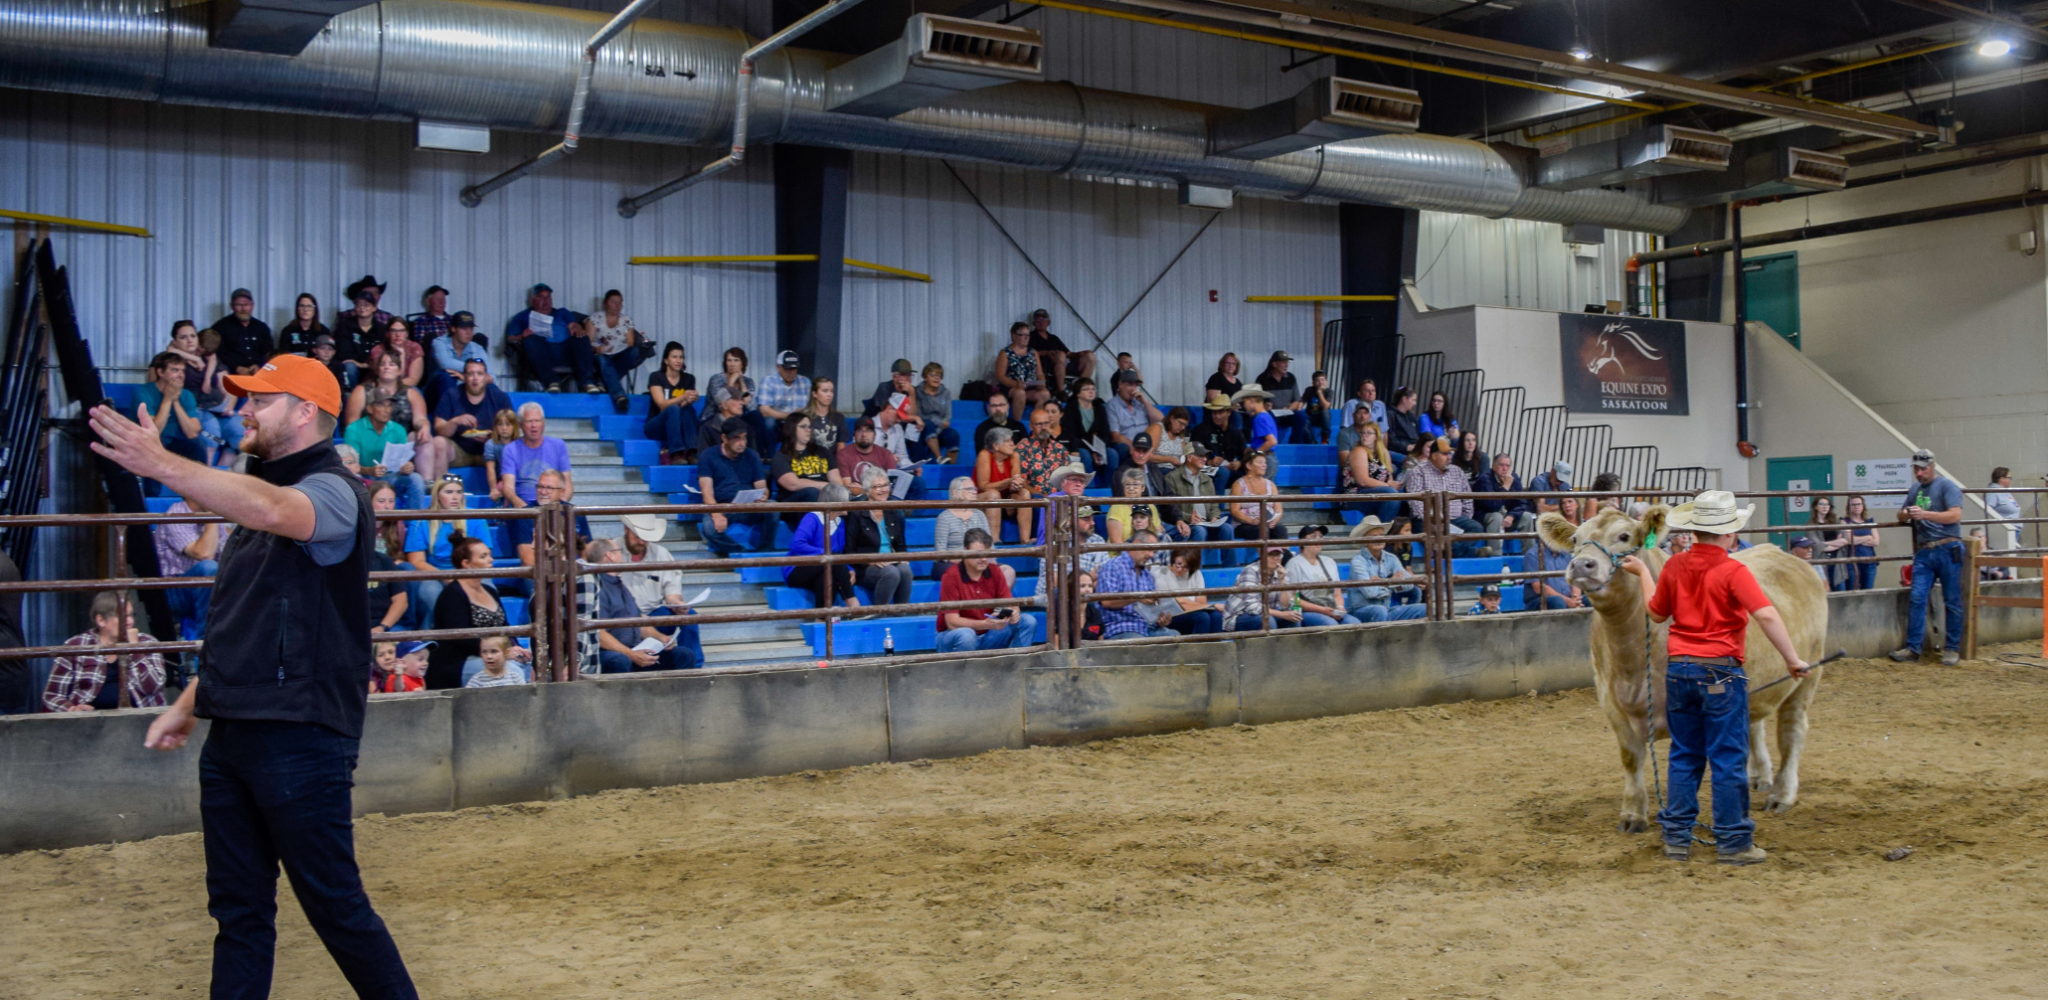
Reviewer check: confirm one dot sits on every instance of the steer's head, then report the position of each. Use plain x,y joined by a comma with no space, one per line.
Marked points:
1597,545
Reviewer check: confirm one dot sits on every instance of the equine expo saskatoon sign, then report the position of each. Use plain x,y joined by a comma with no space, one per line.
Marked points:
1623,364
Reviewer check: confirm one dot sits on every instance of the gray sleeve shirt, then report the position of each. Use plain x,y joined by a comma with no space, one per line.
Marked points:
334,517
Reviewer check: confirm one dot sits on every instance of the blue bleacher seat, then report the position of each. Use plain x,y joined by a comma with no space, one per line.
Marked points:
640,451
515,610
474,479
670,478
121,395
158,505
572,405
966,415
1306,454
917,634
1306,475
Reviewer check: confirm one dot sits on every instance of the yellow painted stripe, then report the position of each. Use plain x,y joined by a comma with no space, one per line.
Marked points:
886,269
1306,46
770,258
1321,298
58,220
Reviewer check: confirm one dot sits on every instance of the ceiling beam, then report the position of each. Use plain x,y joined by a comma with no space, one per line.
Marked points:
2005,24
1295,18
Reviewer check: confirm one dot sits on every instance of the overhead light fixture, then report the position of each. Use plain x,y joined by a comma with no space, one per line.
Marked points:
1581,53
1991,48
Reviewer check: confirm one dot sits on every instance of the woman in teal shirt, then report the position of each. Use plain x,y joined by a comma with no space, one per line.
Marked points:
426,542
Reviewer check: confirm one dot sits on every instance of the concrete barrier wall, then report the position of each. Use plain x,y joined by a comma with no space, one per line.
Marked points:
77,779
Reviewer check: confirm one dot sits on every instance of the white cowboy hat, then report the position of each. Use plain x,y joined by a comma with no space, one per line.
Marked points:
1058,477
1713,512
1370,524
1250,392
646,527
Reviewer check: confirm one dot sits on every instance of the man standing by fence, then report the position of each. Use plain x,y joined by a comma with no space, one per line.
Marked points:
284,677
1935,510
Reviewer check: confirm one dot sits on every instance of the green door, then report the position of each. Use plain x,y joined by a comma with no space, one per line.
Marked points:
1810,472
1771,290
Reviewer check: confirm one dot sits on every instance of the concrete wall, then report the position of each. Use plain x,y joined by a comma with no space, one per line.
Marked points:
77,779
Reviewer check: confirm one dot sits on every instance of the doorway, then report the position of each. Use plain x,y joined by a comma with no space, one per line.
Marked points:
1808,472
1771,292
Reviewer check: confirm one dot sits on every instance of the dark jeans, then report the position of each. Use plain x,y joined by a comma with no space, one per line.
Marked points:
18,695
1943,564
887,583
1465,550
724,545
812,579
1863,576
1293,426
1206,621
273,792
939,442
1250,532
573,354
675,428
612,369
1385,510
1250,623
686,654
192,602
1709,729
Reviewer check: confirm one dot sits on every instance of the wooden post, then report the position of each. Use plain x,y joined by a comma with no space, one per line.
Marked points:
1971,552
1320,365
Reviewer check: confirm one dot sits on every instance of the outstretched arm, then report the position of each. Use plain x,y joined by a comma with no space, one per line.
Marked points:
245,500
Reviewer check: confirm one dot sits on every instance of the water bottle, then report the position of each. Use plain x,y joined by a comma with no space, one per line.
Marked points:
888,643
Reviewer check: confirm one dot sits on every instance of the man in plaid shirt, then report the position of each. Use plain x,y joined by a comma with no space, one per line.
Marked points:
79,683
1438,475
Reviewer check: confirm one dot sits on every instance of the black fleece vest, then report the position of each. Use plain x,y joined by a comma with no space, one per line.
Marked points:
286,638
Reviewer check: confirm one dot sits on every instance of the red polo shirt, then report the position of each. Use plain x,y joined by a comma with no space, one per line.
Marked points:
955,586
1709,598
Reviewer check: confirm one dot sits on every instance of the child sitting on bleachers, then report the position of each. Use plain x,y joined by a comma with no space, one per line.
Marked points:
384,663
504,431
498,669
411,673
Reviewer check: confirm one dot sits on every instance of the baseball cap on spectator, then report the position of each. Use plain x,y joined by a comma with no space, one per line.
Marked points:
431,289
1125,375
786,359
1217,401
1442,446
901,366
467,319
1035,313
1489,590
864,424
1198,449
1562,470
1280,356
301,376
1923,458
1143,442
240,293
733,427
1802,542
539,288
324,340
406,649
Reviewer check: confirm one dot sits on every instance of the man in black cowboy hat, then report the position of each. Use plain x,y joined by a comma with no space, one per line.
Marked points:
367,283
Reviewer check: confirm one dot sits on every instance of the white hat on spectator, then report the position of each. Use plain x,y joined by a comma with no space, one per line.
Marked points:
1057,479
1370,524
646,527
1713,512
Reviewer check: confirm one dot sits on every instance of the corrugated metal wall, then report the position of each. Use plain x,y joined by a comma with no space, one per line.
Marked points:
283,204
1466,260
1100,245
1109,54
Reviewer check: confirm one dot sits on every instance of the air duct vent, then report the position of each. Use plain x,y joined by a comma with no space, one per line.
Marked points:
1656,151
1329,110
936,58
1813,171
1707,150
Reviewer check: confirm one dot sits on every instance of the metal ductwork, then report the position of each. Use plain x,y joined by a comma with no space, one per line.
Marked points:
279,27
936,58
514,66
1656,151
1761,169
1329,110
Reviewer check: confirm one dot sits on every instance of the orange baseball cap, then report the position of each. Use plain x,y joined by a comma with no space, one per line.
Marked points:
301,376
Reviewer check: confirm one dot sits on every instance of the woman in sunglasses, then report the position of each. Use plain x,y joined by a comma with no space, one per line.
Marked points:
428,543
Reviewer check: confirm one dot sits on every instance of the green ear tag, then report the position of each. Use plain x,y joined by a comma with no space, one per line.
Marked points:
1650,540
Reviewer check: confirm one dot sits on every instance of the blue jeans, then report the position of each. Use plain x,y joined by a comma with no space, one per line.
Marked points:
1114,457
192,602
612,369
675,428
1385,510
272,792
941,441
1943,562
1293,426
573,354
1466,550
724,545
1863,576
410,491
1709,729
1015,635
1315,618
1250,623
1372,612
1206,621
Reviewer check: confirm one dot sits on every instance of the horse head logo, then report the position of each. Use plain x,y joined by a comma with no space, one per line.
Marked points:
1608,344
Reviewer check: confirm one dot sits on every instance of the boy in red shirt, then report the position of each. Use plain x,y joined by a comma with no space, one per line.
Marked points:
1709,598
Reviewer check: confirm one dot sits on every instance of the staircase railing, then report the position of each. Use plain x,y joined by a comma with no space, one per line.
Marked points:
1585,447
24,399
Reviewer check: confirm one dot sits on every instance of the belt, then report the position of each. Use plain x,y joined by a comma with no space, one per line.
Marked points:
1710,661
1923,546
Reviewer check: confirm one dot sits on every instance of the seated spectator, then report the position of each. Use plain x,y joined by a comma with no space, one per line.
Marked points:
1802,546
1548,593
220,429
1557,480
1017,375
879,531
1245,517
1071,480
1185,613
1263,429
950,528
1174,436
1126,363
1366,468
800,468
1226,443
383,664
1404,425
1224,381
619,649
819,532
324,352
1131,483
522,461
1084,430
1467,455
1125,573
1054,358
172,407
733,383
723,473
453,351
1319,407
1489,601
297,336
504,430
549,487
862,450
617,348
1187,522
1503,515
1091,622
711,430
1131,414
975,579
245,342
190,550
935,407
498,669
1366,397
1042,453
1438,475
433,320
410,664
658,591
367,287
672,407
357,333
464,418
1437,420
553,342
999,416
78,682
430,545
412,358
785,391
1244,611
1323,605
1284,400
408,410
1393,601
369,436
827,426
999,475
894,402
469,603
1678,542
390,602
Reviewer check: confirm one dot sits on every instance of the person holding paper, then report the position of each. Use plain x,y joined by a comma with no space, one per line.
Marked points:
628,649
733,473
385,450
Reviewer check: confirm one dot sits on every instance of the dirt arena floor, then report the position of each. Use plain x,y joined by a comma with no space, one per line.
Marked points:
1461,851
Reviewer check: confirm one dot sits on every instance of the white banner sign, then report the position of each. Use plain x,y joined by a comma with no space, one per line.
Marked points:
1868,474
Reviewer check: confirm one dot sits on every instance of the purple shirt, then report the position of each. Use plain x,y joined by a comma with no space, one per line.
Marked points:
526,464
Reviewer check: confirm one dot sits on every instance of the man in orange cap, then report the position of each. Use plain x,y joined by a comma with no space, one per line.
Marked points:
283,677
